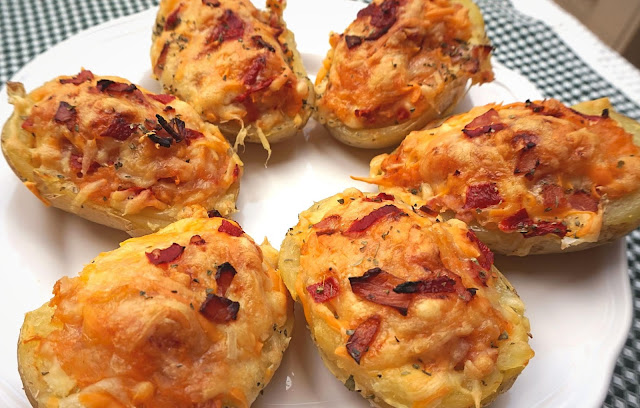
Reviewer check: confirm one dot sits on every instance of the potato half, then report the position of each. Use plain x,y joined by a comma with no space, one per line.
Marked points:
529,178
118,155
398,66
405,310
238,66
194,315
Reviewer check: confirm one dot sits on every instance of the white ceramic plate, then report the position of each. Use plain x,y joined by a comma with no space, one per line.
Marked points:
579,304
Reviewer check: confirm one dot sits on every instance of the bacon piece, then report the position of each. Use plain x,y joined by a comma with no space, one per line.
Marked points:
383,17
162,59
379,198
582,201
161,256
230,229
442,284
325,290
66,115
190,134
365,222
236,171
553,196
352,41
75,162
482,195
525,140
162,98
224,277
521,222
119,129
527,163
485,260
428,210
250,78
518,221
219,309
173,19
214,213
593,118
488,122
328,225
197,240
83,76
107,85
377,286
259,42
230,27
362,337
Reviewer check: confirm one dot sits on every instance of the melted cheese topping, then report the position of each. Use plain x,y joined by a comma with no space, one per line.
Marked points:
66,132
128,333
431,46
231,61
445,347
573,153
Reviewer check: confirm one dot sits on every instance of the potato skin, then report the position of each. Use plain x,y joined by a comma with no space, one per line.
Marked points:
129,330
619,210
47,155
238,66
362,89
411,359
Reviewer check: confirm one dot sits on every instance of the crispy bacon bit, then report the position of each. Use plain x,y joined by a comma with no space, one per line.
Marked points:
377,286
230,27
325,290
224,277
525,140
211,3
219,309
383,16
527,164
230,229
593,118
442,284
369,115
582,201
214,213
482,195
83,76
236,171
173,19
162,98
190,134
552,196
352,41
518,221
379,198
162,60
107,85
429,211
197,240
250,78
119,129
259,42
75,162
362,337
485,260
328,225
161,256
66,115
521,222
488,122
365,222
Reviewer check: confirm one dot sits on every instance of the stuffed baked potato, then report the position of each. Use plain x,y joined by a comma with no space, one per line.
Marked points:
398,66
406,310
529,178
192,316
238,66
118,155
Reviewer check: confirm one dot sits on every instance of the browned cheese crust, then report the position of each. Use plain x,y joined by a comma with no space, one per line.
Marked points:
194,315
116,154
408,311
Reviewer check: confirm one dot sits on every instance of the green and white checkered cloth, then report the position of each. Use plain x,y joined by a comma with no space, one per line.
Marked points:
522,43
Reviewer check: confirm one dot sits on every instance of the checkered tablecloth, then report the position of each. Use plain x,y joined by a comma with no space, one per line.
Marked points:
522,43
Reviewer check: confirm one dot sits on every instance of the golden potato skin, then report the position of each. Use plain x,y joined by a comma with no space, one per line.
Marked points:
398,66
88,145
128,332
455,349
238,66
574,172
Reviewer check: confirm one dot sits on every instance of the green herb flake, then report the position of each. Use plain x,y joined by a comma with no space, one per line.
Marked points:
416,366
620,163
350,383
341,200
503,336
350,332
